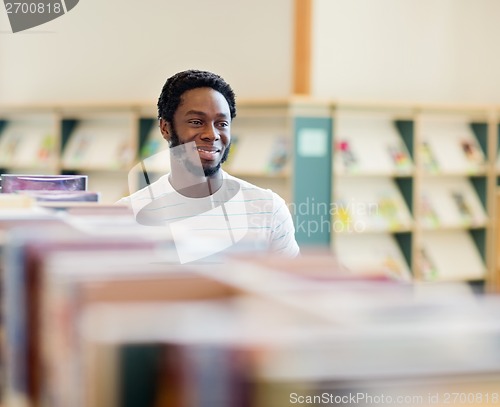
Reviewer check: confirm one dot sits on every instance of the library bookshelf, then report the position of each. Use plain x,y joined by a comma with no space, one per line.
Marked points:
431,172
108,140
404,187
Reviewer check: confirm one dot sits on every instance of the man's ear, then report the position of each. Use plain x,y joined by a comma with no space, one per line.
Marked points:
166,129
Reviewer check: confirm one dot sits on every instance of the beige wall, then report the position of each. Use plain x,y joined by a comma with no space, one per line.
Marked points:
108,50
416,50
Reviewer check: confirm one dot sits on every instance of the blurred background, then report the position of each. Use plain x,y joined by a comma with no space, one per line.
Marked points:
378,122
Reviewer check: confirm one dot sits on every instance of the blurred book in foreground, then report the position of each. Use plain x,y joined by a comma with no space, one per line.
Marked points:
107,322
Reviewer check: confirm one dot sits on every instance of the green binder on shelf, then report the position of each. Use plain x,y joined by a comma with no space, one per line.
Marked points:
312,181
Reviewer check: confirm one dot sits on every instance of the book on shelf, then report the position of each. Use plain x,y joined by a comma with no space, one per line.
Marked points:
429,161
27,145
89,140
388,209
372,253
259,154
342,215
279,157
450,256
450,146
427,266
10,143
463,207
364,206
396,160
347,156
472,152
451,202
369,144
428,215
400,157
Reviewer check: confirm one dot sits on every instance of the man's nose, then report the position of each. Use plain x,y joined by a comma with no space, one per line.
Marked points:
211,132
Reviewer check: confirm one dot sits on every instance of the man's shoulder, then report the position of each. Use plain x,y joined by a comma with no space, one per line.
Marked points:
250,189
259,199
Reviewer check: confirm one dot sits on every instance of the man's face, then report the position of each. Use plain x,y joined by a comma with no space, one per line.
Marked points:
202,117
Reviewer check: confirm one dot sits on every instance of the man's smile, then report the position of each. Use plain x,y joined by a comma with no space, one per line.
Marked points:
208,153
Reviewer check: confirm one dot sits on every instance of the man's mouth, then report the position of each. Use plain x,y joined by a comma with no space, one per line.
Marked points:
207,153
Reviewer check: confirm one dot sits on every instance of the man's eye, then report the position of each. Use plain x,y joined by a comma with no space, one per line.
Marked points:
223,124
195,122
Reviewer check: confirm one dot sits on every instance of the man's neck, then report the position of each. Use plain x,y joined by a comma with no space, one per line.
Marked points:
196,187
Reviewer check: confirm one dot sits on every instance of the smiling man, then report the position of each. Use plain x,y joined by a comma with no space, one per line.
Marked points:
198,197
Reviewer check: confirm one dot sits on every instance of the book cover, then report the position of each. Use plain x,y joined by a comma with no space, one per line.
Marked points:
85,149
452,256
372,206
80,147
349,159
472,152
464,210
427,266
389,210
391,265
279,155
16,182
451,202
428,158
10,143
372,253
399,157
342,217
428,214
46,148
257,154
450,146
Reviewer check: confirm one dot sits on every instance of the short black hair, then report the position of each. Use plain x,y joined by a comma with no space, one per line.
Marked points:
176,85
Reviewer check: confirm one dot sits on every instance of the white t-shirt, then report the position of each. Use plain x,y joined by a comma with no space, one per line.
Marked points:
238,216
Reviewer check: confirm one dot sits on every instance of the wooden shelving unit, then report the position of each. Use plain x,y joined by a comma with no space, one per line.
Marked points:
431,171
447,184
